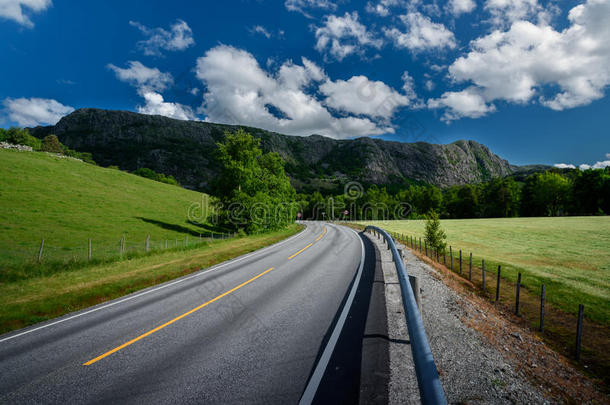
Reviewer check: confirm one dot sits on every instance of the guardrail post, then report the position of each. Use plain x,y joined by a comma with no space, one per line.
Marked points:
416,291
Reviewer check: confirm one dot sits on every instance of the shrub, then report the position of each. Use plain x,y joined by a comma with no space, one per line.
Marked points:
50,143
21,136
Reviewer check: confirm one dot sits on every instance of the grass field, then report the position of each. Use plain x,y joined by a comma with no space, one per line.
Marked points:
66,202
32,300
570,255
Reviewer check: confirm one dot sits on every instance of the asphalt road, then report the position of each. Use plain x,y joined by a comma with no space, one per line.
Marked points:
257,329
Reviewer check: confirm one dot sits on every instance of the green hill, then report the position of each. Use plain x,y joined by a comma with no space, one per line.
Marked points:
66,202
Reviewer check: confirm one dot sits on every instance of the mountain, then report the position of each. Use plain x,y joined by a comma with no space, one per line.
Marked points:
185,149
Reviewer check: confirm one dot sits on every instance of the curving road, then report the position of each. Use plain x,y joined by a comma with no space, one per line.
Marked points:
257,329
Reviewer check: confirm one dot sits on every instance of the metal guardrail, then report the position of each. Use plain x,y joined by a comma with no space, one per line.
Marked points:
430,388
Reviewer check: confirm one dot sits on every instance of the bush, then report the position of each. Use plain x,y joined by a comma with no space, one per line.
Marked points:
51,144
19,136
160,177
3,134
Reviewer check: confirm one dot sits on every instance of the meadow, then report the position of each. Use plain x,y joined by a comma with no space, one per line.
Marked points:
66,202
570,255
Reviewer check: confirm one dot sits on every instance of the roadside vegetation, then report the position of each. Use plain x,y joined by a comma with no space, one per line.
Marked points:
571,255
28,301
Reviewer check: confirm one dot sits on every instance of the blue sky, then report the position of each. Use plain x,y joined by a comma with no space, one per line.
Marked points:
528,78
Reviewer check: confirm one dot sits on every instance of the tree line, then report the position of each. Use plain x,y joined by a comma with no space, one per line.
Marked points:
555,192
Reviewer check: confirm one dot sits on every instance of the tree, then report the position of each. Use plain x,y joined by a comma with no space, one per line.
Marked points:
434,235
51,144
545,194
21,136
253,190
501,198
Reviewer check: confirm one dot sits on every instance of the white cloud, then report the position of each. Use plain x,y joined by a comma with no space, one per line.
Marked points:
465,103
342,36
597,165
178,38
459,7
508,11
149,82
155,105
142,77
359,95
17,10
382,8
239,91
259,29
429,85
560,69
422,34
564,166
607,155
35,111
301,6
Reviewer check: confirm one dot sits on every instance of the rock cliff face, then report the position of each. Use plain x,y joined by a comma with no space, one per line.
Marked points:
185,149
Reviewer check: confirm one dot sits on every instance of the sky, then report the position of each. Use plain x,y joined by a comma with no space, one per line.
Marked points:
528,78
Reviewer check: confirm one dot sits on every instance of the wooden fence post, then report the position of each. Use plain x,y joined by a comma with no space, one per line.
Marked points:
426,247
542,301
498,284
40,251
89,252
460,261
483,273
147,242
518,292
581,310
451,256
470,268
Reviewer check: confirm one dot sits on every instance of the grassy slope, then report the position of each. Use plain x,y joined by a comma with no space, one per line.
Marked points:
570,255
37,299
66,202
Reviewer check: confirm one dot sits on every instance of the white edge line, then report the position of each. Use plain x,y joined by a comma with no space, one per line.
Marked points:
314,382
162,286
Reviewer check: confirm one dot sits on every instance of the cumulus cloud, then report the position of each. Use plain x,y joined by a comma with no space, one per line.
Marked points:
597,165
301,6
508,11
18,10
239,91
382,8
142,77
465,103
155,105
459,7
150,82
178,38
359,95
559,69
422,34
342,36
29,112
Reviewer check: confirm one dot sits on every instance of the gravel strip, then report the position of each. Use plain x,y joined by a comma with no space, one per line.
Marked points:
471,371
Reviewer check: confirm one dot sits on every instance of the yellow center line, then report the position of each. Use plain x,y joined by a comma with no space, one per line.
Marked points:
158,328
308,246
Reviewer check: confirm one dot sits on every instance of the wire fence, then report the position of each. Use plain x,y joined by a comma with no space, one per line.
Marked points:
46,251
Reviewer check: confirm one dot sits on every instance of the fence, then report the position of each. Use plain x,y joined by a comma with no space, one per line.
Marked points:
438,256
430,388
89,249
